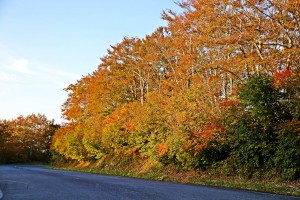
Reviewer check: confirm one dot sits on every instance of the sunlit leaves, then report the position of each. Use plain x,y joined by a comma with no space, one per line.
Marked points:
27,138
180,94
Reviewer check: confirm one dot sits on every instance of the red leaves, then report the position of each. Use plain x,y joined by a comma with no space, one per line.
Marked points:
228,103
209,129
203,137
281,76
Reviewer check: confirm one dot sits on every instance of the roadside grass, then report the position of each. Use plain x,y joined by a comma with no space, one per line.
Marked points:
263,184
286,188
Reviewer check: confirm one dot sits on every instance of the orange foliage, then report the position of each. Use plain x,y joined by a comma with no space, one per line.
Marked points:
162,149
170,82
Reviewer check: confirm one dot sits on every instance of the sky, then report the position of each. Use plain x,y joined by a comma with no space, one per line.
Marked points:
47,45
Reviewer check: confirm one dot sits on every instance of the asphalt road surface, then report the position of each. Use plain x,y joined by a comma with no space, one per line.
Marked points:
37,183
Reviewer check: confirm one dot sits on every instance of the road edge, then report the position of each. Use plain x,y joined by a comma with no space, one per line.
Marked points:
1,194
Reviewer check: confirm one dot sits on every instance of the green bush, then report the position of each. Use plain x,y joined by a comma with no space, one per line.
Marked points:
287,157
263,132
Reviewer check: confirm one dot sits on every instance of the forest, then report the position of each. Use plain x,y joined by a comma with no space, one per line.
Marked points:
217,88
26,139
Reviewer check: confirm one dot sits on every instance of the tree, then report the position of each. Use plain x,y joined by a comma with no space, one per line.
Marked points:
164,97
27,138
263,131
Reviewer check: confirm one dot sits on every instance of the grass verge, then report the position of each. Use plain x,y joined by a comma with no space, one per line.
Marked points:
170,174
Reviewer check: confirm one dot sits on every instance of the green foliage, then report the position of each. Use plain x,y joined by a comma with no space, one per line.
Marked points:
289,95
287,156
259,135
260,100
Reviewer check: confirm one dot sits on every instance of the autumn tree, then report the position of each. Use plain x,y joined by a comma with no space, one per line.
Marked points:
4,141
27,138
218,83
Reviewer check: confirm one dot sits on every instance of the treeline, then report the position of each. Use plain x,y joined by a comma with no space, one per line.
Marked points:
217,88
26,139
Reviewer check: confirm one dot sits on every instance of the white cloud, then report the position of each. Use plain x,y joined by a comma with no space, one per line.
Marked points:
21,65
7,77
62,73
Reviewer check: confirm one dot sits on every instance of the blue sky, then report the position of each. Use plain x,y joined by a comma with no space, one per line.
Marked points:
47,45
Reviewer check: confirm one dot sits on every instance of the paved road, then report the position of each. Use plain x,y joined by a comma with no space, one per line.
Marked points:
37,183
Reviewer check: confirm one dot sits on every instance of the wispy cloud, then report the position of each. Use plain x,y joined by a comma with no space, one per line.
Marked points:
7,77
21,66
60,73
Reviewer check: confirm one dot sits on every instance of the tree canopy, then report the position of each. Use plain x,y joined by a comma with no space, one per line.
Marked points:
26,138
220,83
